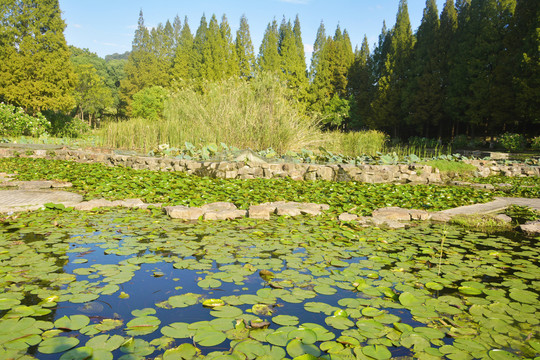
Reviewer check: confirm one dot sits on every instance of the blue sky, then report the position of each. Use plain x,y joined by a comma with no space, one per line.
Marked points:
106,27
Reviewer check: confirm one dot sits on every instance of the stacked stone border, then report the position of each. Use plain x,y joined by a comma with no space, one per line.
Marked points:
248,169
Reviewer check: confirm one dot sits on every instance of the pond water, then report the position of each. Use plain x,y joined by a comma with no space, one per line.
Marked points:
132,284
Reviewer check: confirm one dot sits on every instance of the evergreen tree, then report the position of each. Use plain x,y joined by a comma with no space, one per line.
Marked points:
299,43
458,89
388,106
91,94
424,87
182,65
230,60
446,42
244,49
318,49
360,84
525,42
35,68
213,65
378,59
199,42
141,67
269,59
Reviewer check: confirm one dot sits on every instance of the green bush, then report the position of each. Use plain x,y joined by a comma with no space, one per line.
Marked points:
148,103
460,142
63,125
15,122
535,143
356,143
423,142
512,142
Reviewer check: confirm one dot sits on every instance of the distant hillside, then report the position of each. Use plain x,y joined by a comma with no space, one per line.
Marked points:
117,56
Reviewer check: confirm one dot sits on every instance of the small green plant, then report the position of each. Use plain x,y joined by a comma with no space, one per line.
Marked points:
447,166
149,102
512,142
15,122
28,153
535,143
522,214
51,153
478,222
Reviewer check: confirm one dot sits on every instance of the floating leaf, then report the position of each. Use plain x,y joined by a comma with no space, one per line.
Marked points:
379,352
296,348
74,322
81,353
286,320
57,344
213,303
207,337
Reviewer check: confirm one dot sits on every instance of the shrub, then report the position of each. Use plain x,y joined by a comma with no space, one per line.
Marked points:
148,103
15,122
63,125
356,143
535,143
512,142
423,142
460,142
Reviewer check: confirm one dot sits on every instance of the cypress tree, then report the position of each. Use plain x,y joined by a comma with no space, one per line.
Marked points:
197,70
244,49
388,106
269,59
293,69
318,49
35,68
424,91
361,88
141,66
230,60
446,42
183,56
299,43
525,42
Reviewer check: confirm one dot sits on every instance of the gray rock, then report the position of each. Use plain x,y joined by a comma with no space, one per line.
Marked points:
503,217
224,215
92,204
218,206
249,156
441,217
261,211
37,184
347,217
392,213
183,212
392,224
419,214
531,228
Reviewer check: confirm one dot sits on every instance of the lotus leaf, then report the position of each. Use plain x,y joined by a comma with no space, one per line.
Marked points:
286,320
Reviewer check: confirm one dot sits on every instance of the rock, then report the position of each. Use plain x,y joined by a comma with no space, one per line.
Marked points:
289,209
261,211
504,218
183,212
392,224
531,228
218,206
483,186
347,217
130,203
419,214
249,156
392,213
224,214
37,184
92,204
441,217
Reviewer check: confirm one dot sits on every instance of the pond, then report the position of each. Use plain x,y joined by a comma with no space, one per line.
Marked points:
132,284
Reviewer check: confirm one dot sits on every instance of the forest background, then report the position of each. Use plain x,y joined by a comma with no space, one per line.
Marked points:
472,69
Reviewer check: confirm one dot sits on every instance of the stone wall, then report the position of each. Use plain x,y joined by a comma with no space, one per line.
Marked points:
413,173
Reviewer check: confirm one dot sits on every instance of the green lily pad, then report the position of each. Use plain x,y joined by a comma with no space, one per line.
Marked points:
497,354
371,312
178,330
74,322
213,303
183,352
208,337
296,348
81,353
286,320
278,338
57,344
469,290
226,311
181,301
307,336
209,283
378,352
407,299
434,286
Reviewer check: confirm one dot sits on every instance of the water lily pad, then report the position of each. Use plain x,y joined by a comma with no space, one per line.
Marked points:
57,344
307,336
371,312
209,283
296,348
379,352
497,354
339,322
286,320
523,296
226,311
74,322
142,325
208,337
81,353
185,351
434,286
324,289
278,338
178,330
181,301
407,299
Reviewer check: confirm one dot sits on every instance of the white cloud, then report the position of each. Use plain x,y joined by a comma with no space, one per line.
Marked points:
77,26
308,48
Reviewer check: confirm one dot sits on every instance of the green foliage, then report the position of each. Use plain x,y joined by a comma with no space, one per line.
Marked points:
445,166
15,122
357,143
535,143
66,126
485,223
257,114
522,214
98,180
512,142
149,102
35,71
